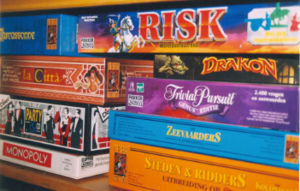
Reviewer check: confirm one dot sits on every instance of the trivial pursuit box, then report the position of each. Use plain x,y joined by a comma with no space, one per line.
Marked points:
248,68
47,160
263,106
263,146
245,28
39,35
94,80
74,128
140,167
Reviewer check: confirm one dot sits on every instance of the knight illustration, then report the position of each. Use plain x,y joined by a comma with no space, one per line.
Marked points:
114,29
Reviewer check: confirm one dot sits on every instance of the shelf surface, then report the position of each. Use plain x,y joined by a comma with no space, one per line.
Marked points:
52,181
33,5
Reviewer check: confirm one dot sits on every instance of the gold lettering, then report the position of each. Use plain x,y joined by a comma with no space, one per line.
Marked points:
169,129
35,75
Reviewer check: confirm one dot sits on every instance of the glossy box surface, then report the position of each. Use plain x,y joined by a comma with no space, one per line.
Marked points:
47,160
39,35
263,146
140,167
262,106
74,79
244,28
257,68
77,128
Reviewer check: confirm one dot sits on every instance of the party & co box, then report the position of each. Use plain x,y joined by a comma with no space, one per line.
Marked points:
63,126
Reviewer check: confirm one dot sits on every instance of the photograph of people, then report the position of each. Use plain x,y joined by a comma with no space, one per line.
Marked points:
18,119
76,129
64,126
49,123
10,117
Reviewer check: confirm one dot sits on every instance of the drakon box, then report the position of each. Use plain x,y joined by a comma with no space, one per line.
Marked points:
39,35
61,163
262,106
140,167
74,79
245,28
228,141
258,68
68,127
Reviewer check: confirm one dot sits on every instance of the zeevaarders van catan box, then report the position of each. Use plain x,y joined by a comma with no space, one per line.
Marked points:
39,35
64,126
94,80
142,167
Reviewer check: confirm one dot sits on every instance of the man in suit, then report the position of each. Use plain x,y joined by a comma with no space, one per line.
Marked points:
49,126
76,129
64,126
19,119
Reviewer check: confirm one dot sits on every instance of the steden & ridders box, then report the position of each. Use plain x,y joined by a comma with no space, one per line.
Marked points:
94,80
141,167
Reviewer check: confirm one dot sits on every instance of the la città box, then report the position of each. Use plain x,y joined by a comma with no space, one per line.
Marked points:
63,126
262,106
39,35
96,80
140,167
47,160
247,68
262,146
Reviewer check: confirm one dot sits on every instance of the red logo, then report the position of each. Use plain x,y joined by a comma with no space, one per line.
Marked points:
28,155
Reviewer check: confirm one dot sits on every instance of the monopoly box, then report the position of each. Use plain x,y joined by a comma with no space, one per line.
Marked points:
94,80
64,164
263,106
140,167
245,28
39,35
76,128
248,68
263,146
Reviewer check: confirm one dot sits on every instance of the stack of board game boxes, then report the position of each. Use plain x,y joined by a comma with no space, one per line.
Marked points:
224,119
54,100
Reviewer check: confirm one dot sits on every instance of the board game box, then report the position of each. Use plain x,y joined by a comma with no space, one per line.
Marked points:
141,167
64,126
39,35
89,80
262,106
262,146
247,68
47,160
271,27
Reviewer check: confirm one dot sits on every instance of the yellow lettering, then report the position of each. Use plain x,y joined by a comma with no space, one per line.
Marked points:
38,71
169,129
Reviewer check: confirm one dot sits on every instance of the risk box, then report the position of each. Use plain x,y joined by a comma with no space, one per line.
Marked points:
215,139
39,35
247,68
94,80
64,126
141,167
244,28
261,106
47,160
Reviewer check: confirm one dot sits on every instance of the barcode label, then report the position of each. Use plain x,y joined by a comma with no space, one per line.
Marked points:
87,43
